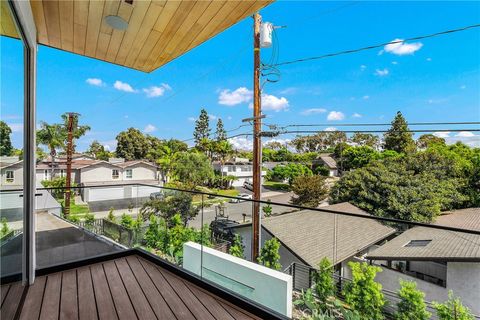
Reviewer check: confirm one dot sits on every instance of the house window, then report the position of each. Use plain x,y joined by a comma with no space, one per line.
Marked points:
418,243
115,174
128,174
9,176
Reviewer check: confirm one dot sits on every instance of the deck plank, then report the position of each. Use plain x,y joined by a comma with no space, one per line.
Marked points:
4,289
33,301
87,308
51,297
211,303
190,300
173,300
119,294
69,296
158,304
137,297
12,301
103,297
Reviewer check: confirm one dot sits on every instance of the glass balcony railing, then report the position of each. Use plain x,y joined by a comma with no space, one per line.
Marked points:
328,260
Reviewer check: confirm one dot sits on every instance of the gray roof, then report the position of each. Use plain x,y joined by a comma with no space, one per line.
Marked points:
310,234
444,245
329,162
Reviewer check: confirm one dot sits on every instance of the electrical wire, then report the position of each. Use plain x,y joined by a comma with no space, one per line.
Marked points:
376,46
371,124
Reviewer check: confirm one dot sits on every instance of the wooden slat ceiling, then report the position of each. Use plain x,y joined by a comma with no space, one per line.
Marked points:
158,31
7,26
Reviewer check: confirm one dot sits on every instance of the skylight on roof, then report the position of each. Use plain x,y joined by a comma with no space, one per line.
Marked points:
418,243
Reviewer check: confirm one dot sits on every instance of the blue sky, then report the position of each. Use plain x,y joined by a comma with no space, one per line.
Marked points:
430,80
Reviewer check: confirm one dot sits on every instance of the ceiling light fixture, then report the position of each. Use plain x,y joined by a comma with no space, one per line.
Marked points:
116,22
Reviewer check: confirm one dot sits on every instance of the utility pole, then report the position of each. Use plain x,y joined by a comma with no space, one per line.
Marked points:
257,142
68,182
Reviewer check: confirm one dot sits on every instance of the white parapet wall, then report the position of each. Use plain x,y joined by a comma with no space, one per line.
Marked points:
263,285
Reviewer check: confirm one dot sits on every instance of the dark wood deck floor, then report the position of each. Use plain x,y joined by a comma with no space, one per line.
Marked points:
124,288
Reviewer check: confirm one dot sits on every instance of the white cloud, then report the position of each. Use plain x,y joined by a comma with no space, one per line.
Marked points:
429,59
330,129
95,82
465,134
229,118
126,116
16,127
443,134
281,141
381,73
192,119
11,117
366,97
270,102
123,86
363,67
149,128
394,62
212,117
463,87
335,115
157,91
356,115
308,112
232,98
241,143
109,144
401,48
290,90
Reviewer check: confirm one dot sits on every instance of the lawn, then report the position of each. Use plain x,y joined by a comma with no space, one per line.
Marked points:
272,185
76,208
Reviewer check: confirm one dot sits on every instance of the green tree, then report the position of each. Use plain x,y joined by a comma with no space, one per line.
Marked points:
220,133
412,304
309,191
52,136
165,162
178,202
5,229
127,221
192,169
427,140
89,219
77,132
362,293
323,280
288,172
6,147
236,249
399,137
269,256
97,150
202,127
111,216
223,150
365,139
176,145
322,170
132,144
267,210
357,157
452,309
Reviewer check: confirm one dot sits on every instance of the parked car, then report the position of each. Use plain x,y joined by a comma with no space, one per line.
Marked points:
241,197
157,195
248,185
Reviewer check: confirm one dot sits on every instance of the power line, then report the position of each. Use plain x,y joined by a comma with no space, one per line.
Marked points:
226,131
372,124
328,55
381,131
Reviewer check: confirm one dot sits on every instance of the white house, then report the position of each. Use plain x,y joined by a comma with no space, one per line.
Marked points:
329,162
437,260
240,168
11,171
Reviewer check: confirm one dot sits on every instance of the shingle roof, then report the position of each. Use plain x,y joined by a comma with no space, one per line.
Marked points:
310,234
444,245
329,161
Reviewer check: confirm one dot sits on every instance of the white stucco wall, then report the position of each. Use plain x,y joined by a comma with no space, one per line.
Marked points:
141,172
101,172
17,175
265,286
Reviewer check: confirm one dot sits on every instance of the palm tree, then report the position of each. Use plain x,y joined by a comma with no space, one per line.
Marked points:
166,161
224,150
78,131
53,136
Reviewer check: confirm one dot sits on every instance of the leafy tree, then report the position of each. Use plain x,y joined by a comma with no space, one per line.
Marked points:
220,133
73,218
89,219
178,202
202,127
176,145
412,304
127,221
77,132
132,144
6,147
363,294
111,216
288,172
323,280
309,191
365,139
427,140
269,255
274,145
267,210
357,157
452,309
223,150
97,150
57,186
399,137
236,249
192,169
165,162
322,171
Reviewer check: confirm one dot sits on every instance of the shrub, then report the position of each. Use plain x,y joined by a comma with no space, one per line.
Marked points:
5,228
412,304
127,221
288,172
111,216
452,309
89,219
322,171
323,279
363,294
269,255
73,218
267,210
236,249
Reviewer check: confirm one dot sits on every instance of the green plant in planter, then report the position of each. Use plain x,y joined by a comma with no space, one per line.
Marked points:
412,304
452,309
